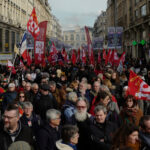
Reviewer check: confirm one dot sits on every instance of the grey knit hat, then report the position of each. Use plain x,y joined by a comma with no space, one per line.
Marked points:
20,145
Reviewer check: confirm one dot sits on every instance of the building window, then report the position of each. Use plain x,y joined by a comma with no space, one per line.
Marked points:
17,38
12,40
66,38
7,40
1,40
143,10
136,14
72,37
83,37
77,37
136,1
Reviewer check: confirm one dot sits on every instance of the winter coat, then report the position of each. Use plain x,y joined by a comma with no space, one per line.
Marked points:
42,103
34,122
145,141
101,132
47,137
131,115
8,98
68,111
62,146
23,134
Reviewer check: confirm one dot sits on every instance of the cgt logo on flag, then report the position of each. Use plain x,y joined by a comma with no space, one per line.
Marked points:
32,25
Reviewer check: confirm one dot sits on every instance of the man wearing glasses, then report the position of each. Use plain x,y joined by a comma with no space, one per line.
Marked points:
12,130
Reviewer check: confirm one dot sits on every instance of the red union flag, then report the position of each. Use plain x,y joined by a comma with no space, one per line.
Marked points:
73,57
78,56
39,45
32,25
99,57
122,58
137,87
108,57
83,56
104,54
90,49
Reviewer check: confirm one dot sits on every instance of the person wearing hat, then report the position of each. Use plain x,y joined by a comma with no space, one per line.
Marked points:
9,96
44,101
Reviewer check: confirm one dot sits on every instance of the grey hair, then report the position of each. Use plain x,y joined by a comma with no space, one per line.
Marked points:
71,96
27,105
33,85
83,99
104,88
96,82
28,83
53,83
52,114
100,108
84,80
28,74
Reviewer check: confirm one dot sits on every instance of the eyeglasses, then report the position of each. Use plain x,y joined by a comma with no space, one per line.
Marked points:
82,107
8,117
21,96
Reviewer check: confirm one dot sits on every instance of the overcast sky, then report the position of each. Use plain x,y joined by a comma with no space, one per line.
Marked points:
77,12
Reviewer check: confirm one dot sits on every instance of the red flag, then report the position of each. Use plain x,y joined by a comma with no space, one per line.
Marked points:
11,67
64,54
104,54
137,87
111,60
83,56
29,60
73,58
116,58
53,54
32,25
108,57
99,57
78,57
122,58
39,44
90,49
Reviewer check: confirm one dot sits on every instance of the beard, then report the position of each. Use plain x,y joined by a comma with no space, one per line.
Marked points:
81,116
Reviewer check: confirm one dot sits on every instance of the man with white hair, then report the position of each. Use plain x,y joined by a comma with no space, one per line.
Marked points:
50,133
83,121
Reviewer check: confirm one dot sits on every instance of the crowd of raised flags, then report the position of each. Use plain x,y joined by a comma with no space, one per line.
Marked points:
83,56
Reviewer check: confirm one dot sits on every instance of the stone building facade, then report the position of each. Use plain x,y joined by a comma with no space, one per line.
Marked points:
100,27
76,37
134,17
14,15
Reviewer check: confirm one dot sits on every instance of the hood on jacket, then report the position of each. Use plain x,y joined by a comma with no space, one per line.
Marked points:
62,146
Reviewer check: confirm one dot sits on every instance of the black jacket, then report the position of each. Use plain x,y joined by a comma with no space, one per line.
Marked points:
23,134
47,137
102,132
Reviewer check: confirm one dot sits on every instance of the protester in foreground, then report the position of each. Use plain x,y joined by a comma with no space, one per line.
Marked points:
50,133
69,137
13,130
126,136
145,132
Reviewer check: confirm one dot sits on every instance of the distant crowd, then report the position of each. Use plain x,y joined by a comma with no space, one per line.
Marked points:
73,107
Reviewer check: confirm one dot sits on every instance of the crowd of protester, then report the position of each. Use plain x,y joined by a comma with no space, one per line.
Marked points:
73,107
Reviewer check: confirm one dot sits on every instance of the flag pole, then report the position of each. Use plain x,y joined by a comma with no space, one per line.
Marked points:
12,67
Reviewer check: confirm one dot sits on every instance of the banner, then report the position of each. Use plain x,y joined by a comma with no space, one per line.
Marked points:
119,31
98,43
30,40
39,44
115,37
111,37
